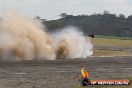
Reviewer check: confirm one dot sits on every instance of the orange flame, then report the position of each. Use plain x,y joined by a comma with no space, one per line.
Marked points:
84,73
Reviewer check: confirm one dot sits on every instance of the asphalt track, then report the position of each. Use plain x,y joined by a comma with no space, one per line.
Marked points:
61,73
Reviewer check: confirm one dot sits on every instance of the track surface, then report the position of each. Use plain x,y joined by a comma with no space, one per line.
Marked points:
61,73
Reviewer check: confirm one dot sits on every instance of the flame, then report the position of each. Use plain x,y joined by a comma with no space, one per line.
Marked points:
84,73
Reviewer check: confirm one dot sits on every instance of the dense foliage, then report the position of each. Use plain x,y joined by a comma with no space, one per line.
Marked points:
98,24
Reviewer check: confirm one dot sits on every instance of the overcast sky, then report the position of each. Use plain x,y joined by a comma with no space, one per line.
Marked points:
50,9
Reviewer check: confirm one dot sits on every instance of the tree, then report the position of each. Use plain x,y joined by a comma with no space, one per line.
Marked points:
121,16
106,12
63,15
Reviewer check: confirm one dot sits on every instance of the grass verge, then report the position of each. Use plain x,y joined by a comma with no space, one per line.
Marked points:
111,42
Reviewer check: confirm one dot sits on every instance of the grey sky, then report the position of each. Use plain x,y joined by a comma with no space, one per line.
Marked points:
50,9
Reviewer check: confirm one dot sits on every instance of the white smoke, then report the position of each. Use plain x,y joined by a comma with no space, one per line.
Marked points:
71,43
22,38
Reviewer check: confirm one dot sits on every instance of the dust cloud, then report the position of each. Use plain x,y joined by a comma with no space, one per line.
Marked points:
22,38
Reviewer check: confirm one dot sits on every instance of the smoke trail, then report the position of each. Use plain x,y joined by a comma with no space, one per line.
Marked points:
22,38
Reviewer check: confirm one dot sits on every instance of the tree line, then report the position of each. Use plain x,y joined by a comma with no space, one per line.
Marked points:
98,24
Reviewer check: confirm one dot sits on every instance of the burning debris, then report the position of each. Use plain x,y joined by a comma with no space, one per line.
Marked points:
27,39
84,73
85,81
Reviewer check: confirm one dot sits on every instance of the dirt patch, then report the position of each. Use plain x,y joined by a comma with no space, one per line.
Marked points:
61,73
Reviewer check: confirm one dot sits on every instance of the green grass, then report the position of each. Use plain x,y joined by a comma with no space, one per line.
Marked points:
111,41
105,41
113,37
